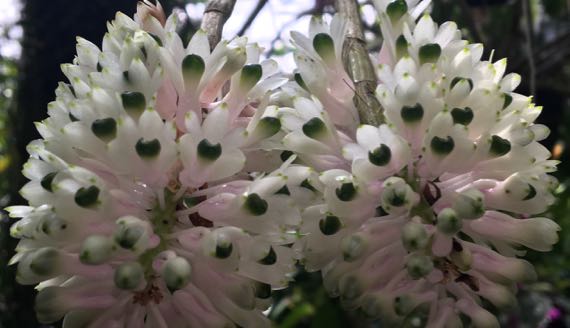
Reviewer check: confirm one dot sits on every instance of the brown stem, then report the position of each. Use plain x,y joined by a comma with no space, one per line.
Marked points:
215,16
359,66
252,16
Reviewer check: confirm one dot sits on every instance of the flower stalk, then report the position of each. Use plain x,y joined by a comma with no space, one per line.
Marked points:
359,66
215,16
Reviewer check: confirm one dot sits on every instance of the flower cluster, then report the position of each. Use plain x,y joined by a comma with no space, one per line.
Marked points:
425,215
177,183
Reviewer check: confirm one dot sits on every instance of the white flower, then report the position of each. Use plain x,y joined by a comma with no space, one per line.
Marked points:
429,211
141,211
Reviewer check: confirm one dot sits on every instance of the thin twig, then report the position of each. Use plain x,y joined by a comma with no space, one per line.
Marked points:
528,31
215,16
359,66
252,16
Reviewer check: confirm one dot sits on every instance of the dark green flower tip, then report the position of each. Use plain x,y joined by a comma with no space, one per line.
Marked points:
283,191
47,180
499,146
442,146
156,38
314,128
429,53
508,100
324,46
128,235
87,197
105,129
53,225
193,67
126,77
99,67
397,199
401,46
148,149
269,126
346,192
270,258
224,251
128,275
44,260
285,155
300,81
250,75
330,225
262,290
176,273
461,79
307,185
412,114
462,116
72,118
396,9
380,156
192,201
531,192
133,102
255,205
208,151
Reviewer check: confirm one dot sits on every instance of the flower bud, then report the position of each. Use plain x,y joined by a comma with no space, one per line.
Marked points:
353,246
419,266
448,222
176,273
397,196
414,236
96,249
130,233
128,275
45,261
469,204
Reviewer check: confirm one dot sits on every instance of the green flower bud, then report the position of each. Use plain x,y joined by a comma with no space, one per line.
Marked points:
414,236
353,246
419,266
469,204
96,249
45,261
324,46
176,273
448,222
129,275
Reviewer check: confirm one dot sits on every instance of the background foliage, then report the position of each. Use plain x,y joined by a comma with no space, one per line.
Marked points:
533,34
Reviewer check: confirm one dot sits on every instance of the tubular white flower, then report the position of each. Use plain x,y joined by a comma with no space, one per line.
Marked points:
141,211
435,204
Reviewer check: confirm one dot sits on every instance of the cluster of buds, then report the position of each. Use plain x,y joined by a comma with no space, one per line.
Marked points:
178,184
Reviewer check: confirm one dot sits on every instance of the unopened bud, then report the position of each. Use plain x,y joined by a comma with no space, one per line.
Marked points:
176,273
